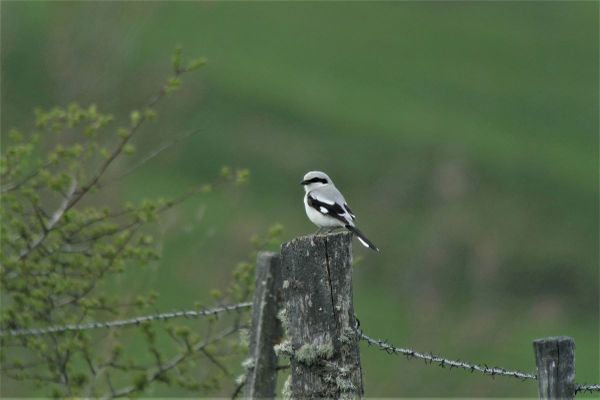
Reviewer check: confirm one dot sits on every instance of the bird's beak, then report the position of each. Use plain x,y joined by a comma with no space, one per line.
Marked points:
303,183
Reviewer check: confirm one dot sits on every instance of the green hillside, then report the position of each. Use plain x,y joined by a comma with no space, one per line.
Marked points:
463,134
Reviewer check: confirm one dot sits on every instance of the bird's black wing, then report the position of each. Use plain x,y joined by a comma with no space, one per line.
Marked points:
334,210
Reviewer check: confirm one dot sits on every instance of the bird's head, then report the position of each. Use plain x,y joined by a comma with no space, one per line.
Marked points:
315,179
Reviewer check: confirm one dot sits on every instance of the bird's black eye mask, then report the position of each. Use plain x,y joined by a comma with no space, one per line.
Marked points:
314,180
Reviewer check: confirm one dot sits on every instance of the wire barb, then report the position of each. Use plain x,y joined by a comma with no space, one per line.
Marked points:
125,322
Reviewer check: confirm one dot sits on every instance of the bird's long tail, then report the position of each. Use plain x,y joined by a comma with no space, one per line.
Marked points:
361,237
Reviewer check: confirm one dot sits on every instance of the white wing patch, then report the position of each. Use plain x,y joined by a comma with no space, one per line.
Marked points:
323,210
362,241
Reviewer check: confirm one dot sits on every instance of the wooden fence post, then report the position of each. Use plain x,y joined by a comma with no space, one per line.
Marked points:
266,330
555,360
317,289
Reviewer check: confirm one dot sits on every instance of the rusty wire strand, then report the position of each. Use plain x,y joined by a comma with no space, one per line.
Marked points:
125,322
444,362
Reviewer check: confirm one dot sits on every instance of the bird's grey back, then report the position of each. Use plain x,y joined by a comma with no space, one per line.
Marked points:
329,192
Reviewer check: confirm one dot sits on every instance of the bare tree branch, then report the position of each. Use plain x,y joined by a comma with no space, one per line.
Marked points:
56,216
172,363
119,149
16,185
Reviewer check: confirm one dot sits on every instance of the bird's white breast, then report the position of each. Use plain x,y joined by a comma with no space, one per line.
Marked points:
320,220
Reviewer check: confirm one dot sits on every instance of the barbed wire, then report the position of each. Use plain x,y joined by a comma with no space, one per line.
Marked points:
587,388
444,362
126,322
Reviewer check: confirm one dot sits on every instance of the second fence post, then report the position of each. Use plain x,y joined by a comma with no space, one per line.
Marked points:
555,360
266,329
317,290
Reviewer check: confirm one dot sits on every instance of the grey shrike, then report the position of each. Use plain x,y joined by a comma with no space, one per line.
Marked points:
326,207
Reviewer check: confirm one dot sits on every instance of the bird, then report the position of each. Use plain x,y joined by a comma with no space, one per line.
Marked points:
326,207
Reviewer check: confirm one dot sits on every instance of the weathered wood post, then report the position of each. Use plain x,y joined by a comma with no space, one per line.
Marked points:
555,360
266,330
317,290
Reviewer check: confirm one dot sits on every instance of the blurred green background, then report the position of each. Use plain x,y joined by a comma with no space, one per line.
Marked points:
464,134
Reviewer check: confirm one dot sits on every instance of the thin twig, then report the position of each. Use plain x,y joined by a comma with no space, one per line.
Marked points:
174,362
238,389
56,216
92,285
5,367
16,185
214,360
153,154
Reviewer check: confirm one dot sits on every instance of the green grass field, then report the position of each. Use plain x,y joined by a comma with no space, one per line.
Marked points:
464,134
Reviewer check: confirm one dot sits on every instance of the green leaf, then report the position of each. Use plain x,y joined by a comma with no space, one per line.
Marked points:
123,133
176,59
173,83
129,149
135,118
149,114
196,64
